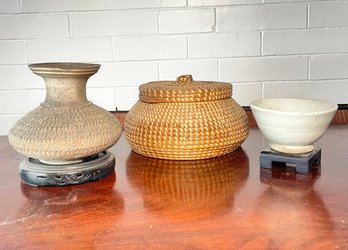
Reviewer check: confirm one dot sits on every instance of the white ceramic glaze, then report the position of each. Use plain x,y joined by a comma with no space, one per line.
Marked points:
293,125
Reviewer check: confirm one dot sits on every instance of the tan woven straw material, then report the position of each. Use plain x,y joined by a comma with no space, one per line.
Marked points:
184,89
185,120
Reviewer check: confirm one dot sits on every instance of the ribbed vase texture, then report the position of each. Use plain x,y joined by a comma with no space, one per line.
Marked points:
66,126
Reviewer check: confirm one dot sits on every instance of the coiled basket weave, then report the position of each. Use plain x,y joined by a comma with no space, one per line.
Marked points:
185,120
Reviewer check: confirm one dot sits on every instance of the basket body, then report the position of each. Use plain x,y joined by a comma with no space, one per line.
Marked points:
186,130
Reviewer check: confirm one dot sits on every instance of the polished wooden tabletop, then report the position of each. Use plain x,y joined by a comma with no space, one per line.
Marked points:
222,203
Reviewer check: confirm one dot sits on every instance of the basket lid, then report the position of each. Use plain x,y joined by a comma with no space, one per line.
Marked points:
184,89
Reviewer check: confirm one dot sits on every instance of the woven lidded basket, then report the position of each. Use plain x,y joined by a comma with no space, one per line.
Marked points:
185,120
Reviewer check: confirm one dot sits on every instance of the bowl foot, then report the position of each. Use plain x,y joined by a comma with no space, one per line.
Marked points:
291,149
36,173
303,163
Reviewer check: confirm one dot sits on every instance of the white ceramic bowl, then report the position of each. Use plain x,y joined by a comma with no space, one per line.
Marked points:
293,125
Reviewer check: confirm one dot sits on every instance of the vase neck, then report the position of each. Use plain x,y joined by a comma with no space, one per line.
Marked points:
65,91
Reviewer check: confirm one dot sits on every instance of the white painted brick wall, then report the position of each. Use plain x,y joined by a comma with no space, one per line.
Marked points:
24,26
305,41
309,89
12,52
263,69
10,6
84,49
18,77
103,97
9,102
62,5
113,23
36,96
336,14
186,21
329,67
150,47
285,1
244,93
141,4
126,98
122,74
7,121
266,48
220,2
200,69
224,45
261,17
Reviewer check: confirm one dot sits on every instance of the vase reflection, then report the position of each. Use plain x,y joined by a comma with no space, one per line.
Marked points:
62,213
188,189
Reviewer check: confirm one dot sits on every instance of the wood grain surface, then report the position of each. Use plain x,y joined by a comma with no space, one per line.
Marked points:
220,203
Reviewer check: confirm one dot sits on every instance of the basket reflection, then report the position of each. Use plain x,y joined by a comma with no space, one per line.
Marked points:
188,188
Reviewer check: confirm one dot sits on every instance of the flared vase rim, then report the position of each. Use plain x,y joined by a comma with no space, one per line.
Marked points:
64,68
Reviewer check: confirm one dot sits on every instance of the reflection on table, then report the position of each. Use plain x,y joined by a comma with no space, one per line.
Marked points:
69,212
188,189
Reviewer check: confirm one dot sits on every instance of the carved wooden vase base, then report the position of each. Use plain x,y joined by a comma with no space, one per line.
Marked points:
36,173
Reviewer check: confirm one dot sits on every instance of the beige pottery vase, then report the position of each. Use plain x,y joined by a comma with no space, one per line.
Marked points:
66,127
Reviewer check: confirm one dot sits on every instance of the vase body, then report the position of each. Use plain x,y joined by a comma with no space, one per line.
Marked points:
66,126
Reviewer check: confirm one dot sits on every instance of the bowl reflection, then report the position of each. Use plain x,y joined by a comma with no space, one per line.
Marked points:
188,188
280,176
290,203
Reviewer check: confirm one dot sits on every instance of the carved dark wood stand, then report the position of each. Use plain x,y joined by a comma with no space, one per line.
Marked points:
303,163
36,173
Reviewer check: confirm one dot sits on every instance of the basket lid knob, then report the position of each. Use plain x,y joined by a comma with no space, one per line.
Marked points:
184,78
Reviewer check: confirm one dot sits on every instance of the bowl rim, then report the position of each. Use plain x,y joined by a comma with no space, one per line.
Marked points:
335,106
